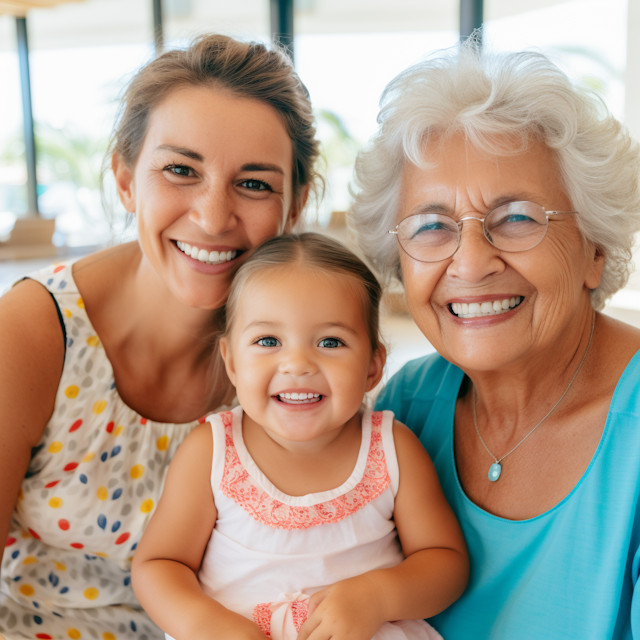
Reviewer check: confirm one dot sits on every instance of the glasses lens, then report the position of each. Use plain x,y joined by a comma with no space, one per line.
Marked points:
516,226
428,237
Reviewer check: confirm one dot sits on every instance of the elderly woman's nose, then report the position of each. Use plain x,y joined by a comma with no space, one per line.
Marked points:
476,258
212,210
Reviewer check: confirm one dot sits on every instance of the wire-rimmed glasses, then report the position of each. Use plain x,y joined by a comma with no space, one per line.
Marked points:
516,226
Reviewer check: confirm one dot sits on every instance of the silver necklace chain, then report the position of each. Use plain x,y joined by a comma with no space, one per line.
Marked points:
475,400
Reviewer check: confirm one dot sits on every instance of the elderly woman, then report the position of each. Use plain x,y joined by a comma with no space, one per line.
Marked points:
506,201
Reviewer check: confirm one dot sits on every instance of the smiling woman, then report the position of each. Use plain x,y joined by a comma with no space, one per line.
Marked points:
109,362
506,201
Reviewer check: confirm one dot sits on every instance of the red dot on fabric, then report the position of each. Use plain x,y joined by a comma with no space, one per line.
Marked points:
123,538
76,425
51,484
10,541
71,466
202,420
44,636
143,421
34,534
110,427
60,267
77,545
63,524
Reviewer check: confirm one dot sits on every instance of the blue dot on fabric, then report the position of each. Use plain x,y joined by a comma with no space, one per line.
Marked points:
116,450
53,579
55,613
113,385
116,494
17,578
64,589
50,280
127,581
15,554
135,546
37,619
115,527
70,342
104,456
102,521
63,284
133,626
83,478
35,604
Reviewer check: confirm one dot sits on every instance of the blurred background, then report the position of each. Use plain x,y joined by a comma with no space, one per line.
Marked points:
63,64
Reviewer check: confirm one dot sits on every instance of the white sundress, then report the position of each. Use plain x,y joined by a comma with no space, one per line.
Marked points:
270,551
92,485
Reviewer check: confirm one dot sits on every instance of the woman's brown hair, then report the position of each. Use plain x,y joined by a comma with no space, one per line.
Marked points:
246,69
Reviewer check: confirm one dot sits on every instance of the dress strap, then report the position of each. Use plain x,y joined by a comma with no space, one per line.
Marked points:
389,446
218,422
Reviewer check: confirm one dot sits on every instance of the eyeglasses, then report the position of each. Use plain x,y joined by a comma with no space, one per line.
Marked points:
516,226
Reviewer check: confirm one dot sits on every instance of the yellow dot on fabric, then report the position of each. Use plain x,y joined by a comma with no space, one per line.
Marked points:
55,447
102,555
93,341
103,494
147,506
91,593
74,634
56,503
99,406
162,443
108,636
59,566
137,471
27,590
72,391
67,313
81,303
30,560
88,456
118,430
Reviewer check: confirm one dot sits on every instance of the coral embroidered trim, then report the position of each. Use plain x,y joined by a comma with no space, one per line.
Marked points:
262,617
238,486
263,612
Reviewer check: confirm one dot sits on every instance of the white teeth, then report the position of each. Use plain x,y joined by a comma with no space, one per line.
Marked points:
488,308
208,257
299,397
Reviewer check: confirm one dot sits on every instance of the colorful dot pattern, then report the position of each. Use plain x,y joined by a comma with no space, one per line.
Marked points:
92,485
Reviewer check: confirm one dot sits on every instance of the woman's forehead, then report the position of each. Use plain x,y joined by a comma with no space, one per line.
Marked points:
461,175
206,119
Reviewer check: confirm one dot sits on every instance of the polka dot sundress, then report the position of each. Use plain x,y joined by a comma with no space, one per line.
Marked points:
93,482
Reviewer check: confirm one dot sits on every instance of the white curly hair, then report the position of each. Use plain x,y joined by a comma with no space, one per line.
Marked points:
487,96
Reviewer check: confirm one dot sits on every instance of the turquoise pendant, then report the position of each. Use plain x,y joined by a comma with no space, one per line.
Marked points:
494,471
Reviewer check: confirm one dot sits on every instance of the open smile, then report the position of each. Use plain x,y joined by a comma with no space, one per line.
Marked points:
295,397
207,257
486,308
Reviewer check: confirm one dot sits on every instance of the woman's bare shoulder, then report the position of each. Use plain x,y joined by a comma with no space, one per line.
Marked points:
32,355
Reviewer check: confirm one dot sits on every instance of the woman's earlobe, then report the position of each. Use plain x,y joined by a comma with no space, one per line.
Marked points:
594,275
124,182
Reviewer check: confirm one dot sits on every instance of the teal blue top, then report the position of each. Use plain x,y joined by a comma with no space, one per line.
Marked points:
568,573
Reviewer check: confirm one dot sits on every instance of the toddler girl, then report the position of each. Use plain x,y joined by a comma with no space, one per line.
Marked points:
299,514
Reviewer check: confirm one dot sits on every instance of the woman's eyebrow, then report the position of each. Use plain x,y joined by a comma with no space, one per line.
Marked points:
262,167
189,153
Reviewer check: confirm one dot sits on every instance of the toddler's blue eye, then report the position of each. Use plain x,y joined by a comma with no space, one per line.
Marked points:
269,342
330,343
